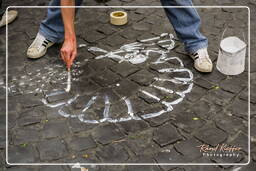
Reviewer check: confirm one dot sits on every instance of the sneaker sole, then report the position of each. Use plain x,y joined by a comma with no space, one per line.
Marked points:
200,70
39,55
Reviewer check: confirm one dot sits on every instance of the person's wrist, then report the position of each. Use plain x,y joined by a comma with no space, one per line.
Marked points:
70,37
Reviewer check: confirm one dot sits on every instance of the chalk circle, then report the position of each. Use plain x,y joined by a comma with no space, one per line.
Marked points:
132,52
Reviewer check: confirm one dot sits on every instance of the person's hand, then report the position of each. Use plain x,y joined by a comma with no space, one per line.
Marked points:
69,51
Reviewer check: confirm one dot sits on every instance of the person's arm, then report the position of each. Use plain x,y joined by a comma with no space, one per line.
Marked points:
69,47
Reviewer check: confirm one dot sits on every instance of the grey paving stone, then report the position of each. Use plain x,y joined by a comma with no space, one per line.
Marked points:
169,157
203,83
130,34
201,108
81,143
134,126
244,95
106,134
26,135
141,26
55,128
81,102
254,155
29,100
233,85
196,93
166,134
94,36
88,87
215,76
52,150
241,141
141,143
30,117
113,153
239,108
211,135
143,77
189,148
60,97
139,105
106,78
124,69
224,121
76,125
126,88
3,121
22,154
189,122
159,120
115,41
101,65
107,29
2,139
12,120
219,97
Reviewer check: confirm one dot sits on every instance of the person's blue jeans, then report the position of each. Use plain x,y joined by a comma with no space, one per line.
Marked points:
52,27
186,23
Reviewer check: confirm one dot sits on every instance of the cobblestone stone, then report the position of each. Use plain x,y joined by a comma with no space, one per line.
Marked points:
106,78
166,134
54,128
107,134
30,117
217,136
26,135
143,77
81,143
169,157
124,69
188,122
52,149
189,148
22,154
113,153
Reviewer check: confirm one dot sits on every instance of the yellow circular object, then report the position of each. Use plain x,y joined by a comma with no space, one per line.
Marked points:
118,18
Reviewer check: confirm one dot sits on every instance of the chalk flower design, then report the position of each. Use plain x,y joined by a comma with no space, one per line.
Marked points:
173,82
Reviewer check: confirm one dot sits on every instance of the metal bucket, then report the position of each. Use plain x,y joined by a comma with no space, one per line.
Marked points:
231,59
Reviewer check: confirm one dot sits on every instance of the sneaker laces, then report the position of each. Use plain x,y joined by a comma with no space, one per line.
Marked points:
40,41
202,56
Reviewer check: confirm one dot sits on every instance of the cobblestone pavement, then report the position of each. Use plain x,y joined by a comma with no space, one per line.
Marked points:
156,111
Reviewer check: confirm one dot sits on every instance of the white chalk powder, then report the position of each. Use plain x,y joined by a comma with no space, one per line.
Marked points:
68,82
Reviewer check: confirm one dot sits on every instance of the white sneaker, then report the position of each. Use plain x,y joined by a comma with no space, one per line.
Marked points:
12,14
39,47
202,62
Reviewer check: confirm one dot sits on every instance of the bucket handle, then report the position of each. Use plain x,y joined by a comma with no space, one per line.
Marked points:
226,30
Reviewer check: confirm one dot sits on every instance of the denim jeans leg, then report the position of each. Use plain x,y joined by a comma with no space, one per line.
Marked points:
52,27
186,23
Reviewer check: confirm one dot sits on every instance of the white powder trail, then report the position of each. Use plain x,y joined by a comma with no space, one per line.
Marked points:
68,82
129,107
107,107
